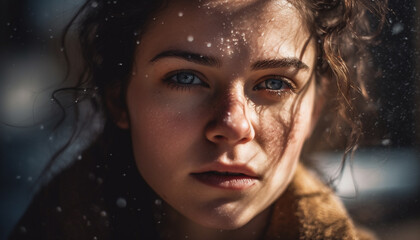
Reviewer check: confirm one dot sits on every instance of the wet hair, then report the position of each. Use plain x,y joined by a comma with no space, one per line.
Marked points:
109,31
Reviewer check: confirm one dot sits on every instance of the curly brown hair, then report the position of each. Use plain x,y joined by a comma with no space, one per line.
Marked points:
344,31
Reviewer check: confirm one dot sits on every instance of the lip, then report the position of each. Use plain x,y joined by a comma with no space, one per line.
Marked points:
230,177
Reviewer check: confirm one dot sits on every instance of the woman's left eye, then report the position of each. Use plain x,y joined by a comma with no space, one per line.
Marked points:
274,84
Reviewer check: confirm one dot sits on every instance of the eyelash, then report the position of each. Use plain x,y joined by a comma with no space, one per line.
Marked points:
168,79
183,86
291,87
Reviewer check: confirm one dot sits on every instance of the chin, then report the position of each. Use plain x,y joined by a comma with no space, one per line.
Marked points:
223,221
222,225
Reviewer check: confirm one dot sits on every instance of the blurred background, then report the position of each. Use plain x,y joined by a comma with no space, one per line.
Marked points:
381,189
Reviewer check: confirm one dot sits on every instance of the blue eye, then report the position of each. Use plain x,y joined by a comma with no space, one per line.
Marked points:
185,78
273,84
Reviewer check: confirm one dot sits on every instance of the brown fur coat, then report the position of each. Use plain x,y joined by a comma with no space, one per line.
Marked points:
310,210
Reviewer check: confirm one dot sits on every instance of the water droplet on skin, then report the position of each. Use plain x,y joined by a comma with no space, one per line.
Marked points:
41,127
79,157
18,177
180,14
121,202
137,42
208,44
58,208
190,38
103,214
94,4
29,179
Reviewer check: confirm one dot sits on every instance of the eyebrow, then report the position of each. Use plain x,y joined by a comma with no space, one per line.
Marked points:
189,56
214,62
280,63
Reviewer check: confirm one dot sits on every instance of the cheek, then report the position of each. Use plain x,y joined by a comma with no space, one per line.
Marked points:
155,124
156,142
157,134
161,132
282,133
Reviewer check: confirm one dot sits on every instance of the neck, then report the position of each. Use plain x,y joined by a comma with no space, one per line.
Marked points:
176,226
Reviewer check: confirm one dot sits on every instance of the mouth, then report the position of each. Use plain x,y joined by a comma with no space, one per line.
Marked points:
226,180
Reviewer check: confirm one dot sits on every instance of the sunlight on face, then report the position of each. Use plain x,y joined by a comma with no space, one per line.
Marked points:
210,106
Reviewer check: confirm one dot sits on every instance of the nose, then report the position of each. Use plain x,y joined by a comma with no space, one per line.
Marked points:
231,123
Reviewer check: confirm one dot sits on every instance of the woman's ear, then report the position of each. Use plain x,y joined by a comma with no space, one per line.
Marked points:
116,107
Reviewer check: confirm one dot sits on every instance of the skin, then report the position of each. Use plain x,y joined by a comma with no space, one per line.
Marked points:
227,115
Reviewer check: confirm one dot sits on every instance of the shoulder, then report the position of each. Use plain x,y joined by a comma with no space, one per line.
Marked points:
312,212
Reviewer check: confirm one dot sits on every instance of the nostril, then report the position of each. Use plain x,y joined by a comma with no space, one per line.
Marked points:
219,137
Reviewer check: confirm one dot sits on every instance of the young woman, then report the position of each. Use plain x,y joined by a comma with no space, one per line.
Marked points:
208,105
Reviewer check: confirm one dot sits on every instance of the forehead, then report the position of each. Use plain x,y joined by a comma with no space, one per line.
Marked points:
241,28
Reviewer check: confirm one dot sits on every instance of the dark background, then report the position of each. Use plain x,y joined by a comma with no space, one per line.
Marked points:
386,168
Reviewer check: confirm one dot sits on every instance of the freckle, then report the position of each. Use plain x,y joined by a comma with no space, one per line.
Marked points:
190,38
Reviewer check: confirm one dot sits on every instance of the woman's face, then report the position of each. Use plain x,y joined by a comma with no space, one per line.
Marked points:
210,106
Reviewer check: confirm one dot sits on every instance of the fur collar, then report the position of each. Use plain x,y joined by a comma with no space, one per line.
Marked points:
309,210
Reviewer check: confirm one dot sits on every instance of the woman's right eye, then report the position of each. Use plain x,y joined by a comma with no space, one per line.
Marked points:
185,79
